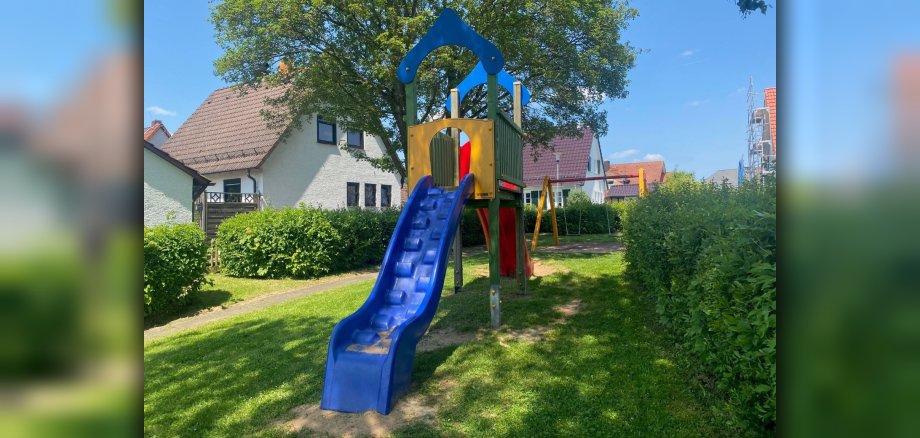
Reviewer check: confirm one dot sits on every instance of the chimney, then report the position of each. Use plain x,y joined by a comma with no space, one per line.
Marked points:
284,66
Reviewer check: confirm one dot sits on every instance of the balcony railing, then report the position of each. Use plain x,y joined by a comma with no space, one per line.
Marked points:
246,198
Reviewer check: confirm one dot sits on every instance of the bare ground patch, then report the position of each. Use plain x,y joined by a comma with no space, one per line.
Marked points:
539,333
540,269
440,338
410,409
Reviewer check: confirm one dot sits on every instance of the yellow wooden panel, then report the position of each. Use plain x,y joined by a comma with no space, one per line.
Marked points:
482,156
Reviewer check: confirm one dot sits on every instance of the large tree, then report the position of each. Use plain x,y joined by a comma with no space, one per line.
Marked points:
343,57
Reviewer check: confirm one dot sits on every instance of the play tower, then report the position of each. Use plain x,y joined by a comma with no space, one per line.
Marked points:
371,352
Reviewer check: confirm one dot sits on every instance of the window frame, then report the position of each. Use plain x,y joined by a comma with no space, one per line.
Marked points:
357,187
389,198
322,121
238,182
370,189
360,144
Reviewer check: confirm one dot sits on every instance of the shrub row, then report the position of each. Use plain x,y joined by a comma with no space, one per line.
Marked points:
706,257
175,264
302,242
588,219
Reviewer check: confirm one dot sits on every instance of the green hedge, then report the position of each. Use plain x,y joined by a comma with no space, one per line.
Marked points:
706,256
593,220
175,264
302,242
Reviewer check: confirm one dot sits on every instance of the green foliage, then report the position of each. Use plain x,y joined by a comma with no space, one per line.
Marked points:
588,218
748,6
302,242
344,56
175,265
578,198
706,257
593,221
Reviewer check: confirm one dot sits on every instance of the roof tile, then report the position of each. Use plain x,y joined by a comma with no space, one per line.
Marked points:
573,159
227,132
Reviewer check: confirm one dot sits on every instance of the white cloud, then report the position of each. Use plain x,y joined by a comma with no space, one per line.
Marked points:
160,111
688,52
624,154
653,157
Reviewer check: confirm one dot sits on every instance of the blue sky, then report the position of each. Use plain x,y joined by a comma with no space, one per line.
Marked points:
38,66
687,93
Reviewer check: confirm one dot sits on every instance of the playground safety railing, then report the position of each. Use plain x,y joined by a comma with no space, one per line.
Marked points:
509,145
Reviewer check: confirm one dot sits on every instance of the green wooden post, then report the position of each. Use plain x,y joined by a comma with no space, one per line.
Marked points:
492,102
494,265
519,243
494,206
411,105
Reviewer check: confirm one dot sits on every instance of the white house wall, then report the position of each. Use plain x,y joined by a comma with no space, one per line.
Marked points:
167,192
158,138
246,184
595,189
303,170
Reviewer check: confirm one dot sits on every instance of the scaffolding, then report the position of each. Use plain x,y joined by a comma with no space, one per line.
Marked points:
760,152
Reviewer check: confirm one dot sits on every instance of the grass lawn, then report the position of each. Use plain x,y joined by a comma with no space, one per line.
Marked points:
227,290
546,239
603,370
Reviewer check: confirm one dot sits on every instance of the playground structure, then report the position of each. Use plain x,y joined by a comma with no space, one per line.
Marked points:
371,352
547,188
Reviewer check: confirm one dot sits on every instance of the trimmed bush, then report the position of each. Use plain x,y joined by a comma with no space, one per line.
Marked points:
175,264
580,219
302,242
593,220
705,255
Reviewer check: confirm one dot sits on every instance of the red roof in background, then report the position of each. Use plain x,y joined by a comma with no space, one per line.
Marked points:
152,129
654,171
769,100
573,159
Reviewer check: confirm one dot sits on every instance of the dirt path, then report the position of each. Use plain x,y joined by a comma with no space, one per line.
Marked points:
217,314
583,247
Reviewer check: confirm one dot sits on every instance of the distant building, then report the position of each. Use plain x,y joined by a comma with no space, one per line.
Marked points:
727,175
156,133
571,158
761,130
623,188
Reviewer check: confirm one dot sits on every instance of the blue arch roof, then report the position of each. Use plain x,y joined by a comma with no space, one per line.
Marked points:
478,76
450,30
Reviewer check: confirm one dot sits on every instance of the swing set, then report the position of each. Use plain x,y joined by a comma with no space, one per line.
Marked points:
548,188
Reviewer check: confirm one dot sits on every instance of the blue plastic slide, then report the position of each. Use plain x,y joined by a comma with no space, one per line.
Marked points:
369,362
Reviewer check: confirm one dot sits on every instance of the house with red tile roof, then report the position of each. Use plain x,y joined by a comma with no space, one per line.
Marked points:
156,134
570,157
229,141
622,188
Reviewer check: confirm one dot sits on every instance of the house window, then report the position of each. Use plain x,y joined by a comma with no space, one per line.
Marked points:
598,166
385,191
558,196
370,195
231,186
355,139
565,196
527,197
325,131
352,195
589,164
